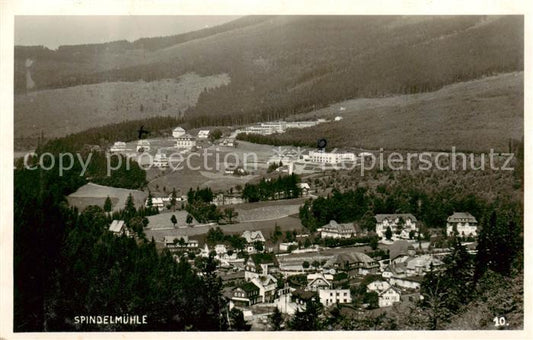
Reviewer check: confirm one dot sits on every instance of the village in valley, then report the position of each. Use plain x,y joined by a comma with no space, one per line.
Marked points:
266,259
270,173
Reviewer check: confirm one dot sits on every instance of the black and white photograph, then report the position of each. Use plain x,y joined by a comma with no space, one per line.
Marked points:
265,172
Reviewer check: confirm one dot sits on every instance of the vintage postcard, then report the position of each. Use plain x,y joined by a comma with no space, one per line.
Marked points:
180,170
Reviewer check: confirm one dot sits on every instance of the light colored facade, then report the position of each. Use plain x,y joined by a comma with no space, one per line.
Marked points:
318,281
158,202
330,157
406,282
203,134
160,160
336,230
463,223
378,286
284,246
185,141
267,287
118,147
118,227
330,297
174,242
178,132
143,146
383,221
220,249
253,236
301,124
389,297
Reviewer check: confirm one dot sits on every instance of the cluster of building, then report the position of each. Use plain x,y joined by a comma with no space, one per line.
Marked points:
268,128
251,281
403,226
162,202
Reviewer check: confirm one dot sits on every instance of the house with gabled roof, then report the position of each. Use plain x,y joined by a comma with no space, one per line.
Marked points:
337,230
388,297
354,263
185,141
378,286
246,294
118,228
178,132
396,222
267,287
318,281
253,236
461,224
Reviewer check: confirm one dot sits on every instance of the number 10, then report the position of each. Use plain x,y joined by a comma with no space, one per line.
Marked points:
500,321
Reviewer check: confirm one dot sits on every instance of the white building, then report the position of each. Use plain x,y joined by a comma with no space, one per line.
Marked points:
220,249
118,147
253,236
179,242
329,297
338,118
463,223
389,297
118,227
337,230
378,286
330,157
160,160
157,202
203,134
406,282
301,124
143,145
185,141
318,281
405,221
284,246
178,132
267,287
228,142
305,188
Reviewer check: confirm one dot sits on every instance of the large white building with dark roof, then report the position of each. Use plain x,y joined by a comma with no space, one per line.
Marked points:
337,230
384,221
178,132
185,141
462,223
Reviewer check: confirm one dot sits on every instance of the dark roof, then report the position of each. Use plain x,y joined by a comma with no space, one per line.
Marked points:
304,294
351,258
381,217
460,216
339,227
248,287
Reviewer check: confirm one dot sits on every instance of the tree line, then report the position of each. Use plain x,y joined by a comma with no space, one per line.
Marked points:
283,187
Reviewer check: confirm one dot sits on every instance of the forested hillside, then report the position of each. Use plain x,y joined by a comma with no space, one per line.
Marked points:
282,65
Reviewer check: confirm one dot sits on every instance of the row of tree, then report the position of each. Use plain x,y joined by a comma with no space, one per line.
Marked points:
283,187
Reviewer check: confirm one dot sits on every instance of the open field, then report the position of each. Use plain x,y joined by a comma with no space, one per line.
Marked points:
95,194
60,112
267,213
165,228
473,116
202,173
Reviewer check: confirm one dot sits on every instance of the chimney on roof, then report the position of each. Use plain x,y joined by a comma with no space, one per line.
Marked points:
264,267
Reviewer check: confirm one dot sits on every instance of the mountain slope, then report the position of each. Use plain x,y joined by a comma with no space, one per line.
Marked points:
283,65
477,115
